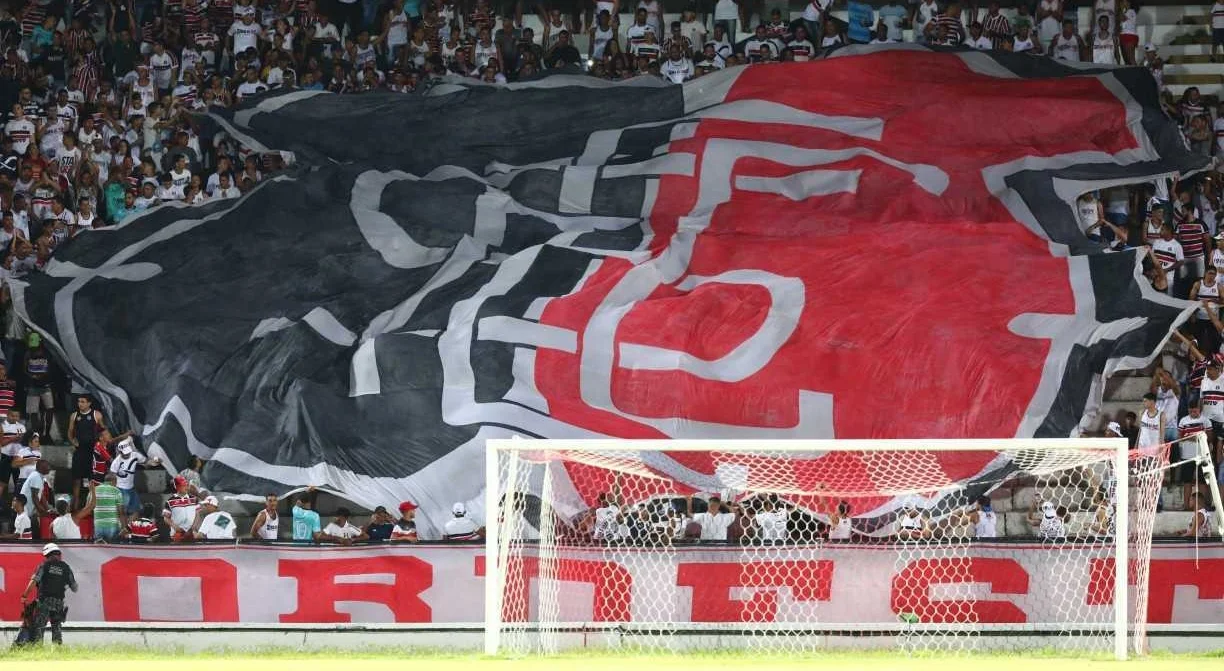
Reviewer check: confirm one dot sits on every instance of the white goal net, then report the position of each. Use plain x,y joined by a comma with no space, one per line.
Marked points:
795,546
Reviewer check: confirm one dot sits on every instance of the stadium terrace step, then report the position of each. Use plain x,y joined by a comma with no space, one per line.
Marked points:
60,456
1189,59
1127,388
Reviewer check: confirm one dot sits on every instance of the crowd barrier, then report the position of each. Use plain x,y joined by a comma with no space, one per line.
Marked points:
289,585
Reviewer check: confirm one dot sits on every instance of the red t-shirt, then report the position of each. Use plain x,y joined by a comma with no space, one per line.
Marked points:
101,460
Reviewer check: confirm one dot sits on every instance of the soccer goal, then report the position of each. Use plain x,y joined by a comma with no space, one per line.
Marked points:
794,546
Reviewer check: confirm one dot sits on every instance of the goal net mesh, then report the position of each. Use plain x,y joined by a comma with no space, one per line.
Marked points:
788,551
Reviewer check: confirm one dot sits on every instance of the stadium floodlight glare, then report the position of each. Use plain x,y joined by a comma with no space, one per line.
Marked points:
589,543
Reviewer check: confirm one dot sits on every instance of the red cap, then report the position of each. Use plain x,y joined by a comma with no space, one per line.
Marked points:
179,481
407,505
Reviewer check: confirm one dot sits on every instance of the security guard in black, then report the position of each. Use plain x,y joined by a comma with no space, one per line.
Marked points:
52,578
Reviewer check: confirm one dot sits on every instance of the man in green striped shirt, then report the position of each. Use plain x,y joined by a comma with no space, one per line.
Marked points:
106,504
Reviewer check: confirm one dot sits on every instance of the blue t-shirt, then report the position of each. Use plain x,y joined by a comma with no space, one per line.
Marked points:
305,524
412,8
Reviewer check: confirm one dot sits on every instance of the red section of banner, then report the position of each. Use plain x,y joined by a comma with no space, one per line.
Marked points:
121,589
318,590
868,584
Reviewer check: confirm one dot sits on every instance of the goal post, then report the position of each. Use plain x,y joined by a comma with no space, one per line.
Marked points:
793,546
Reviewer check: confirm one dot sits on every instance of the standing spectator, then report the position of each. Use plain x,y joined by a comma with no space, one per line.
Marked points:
983,518
1217,28
1190,425
608,518
772,521
912,525
716,519
37,492
84,428
815,14
14,432
106,504
266,526
924,13
840,525
124,468
212,523
1151,423
40,401
21,521
1128,31
306,525
1167,393
1051,523
380,526
995,25
460,527
8,390
1067,45
342,531
1207,292
180,511
65,527
1105,48
1168,255
27,458
405,529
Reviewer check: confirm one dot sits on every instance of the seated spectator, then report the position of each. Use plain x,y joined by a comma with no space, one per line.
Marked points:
405,529
912,525
380,526
341,530
144,527
1202,523
460,527
214,524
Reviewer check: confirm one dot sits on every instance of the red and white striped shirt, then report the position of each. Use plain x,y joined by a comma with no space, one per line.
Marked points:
1190,235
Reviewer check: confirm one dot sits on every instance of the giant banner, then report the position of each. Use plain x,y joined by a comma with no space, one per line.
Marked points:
444,584
892,253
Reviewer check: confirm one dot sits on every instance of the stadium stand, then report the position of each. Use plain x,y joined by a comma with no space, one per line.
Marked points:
98,127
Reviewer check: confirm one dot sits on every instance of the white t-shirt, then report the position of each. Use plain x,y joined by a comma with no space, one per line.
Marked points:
606,523
714,526
12,429
218,526
21,526
28,469
726,10
33,488
677,71
460,529
812,10
124,469
64,528
773,524
1168,252
1217,16
346,531
245,37
987,525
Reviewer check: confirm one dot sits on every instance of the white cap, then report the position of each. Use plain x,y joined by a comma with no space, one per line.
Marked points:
211,501
126,446
459,509
50,548
1047,507
1114,428
1149,47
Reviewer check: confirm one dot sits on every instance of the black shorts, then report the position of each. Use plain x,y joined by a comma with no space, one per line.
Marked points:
1217,36
82,463
6,469
1186,473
